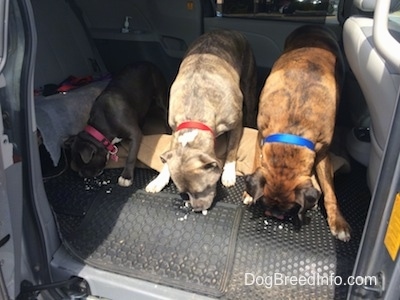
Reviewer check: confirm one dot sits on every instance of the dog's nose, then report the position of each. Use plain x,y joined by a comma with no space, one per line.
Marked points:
200,205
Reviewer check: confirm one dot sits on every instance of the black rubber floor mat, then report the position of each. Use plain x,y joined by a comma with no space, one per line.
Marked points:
271,256
155,238
275,262
264,249
71,196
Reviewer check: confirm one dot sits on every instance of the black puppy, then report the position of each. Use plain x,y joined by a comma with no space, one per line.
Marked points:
118,113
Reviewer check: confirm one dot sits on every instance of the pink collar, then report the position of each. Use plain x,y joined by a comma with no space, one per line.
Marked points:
194,125
112,149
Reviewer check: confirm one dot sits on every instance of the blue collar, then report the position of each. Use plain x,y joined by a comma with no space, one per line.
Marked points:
289,139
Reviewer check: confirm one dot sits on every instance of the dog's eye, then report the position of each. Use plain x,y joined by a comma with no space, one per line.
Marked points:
210,166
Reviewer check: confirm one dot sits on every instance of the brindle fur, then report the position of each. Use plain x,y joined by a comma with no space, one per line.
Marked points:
215,83
300,97
119,112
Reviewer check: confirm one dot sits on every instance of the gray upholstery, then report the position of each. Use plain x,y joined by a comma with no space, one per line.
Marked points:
378,80
63,47
365,5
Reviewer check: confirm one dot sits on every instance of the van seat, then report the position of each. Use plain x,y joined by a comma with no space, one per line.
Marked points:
64,49
378,80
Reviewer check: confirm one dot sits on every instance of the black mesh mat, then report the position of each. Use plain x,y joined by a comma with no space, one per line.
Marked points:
234,252
156,239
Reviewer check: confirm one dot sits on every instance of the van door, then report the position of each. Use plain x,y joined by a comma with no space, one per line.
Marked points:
21,244
7,236
377,267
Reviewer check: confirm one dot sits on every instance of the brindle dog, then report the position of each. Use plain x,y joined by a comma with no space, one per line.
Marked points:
213,94
296,120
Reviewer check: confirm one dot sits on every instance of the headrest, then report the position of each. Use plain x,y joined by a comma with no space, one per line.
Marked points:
365,5
369,5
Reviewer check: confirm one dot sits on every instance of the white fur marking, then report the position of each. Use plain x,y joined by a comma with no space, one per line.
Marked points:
116,140
160,181
187,137
229,174
248,199
124,182
342,235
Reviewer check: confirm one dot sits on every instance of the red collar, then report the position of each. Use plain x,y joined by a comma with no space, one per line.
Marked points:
112,149
194,125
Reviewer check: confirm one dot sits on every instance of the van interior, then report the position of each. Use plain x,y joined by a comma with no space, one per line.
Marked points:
114,242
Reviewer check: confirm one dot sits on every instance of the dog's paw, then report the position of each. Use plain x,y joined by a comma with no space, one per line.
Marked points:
341,230
124,182
247,199
228,180
160,181
228,177
155,186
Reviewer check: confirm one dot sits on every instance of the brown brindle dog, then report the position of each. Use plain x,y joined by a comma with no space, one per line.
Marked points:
296,120
213,94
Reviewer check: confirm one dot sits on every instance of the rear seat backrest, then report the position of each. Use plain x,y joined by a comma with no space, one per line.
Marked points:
365,5
63,46
63,49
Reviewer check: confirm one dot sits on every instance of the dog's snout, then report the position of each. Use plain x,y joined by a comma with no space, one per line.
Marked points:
200,205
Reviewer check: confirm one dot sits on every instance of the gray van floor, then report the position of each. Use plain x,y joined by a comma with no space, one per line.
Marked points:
233,252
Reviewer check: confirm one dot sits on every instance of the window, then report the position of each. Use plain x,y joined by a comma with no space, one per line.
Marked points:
278,9
394,16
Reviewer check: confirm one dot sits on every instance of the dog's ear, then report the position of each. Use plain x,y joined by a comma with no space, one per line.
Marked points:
68,142
87,153
307,197
255,184
209,163
166,156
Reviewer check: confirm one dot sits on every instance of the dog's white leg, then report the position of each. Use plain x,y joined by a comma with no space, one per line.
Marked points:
126,178
228,177
160,181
